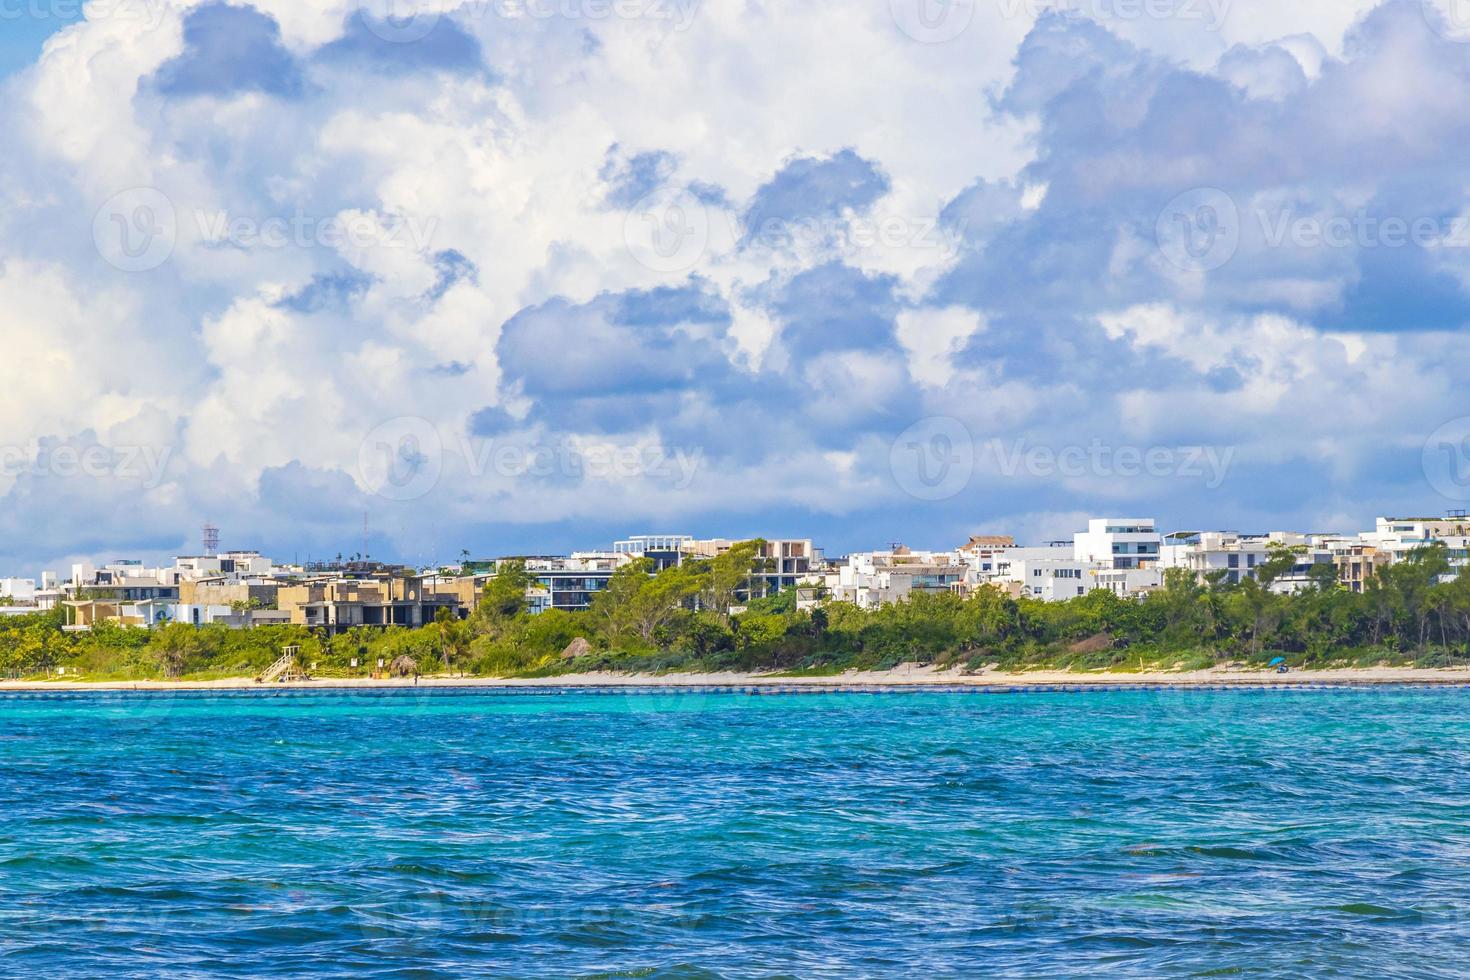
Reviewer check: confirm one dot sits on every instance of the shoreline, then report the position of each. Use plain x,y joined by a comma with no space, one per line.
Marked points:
913,678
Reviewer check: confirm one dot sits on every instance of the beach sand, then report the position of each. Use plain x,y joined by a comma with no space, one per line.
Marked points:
909,676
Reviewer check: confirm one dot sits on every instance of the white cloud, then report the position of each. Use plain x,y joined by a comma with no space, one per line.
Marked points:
256,359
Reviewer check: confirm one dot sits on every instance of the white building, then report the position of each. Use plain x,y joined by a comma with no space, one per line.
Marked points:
230,566
1395,538
1234,557
1130,583
876,578
783,563
1119,542
21,591
1051,573
571,583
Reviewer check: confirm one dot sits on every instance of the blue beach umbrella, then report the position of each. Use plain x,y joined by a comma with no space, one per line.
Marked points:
1277,662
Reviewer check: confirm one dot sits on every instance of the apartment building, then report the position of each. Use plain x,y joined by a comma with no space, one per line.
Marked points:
21,591
82,615
877,578
1119,542
571,583
1356,565
230,565
1394,538
124,580
1230,556
664,550
1233,558
339,604
1051,572
780,563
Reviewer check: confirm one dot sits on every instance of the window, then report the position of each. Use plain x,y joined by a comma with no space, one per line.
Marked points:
1233,561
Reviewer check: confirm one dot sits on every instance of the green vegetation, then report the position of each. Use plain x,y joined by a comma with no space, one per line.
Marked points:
675,621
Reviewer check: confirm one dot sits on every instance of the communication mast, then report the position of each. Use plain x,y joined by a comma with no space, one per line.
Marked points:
211,540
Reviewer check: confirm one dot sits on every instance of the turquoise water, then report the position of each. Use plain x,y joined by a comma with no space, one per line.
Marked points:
419,834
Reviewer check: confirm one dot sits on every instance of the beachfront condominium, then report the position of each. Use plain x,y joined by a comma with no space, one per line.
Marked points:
1395,538
1119,543
1206,555
1048,572
780,563
570,584
876,578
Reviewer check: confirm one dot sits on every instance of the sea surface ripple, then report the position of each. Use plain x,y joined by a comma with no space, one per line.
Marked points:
712,834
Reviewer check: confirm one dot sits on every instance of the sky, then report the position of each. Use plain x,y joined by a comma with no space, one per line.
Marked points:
423,277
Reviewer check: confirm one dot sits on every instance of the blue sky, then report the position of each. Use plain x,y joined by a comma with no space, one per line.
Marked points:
23,35
869,274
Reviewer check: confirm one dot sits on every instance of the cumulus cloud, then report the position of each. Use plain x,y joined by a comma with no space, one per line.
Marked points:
707,267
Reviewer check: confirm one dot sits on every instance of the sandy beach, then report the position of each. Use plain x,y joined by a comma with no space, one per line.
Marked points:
915,676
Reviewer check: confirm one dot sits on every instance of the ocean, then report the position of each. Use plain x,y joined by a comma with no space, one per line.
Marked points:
715,834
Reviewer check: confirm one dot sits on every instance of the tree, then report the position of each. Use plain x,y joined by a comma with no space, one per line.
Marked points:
1323,576
504,597
636,604
453,638
172,647
1413,580
660,598
728,575
1280,559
